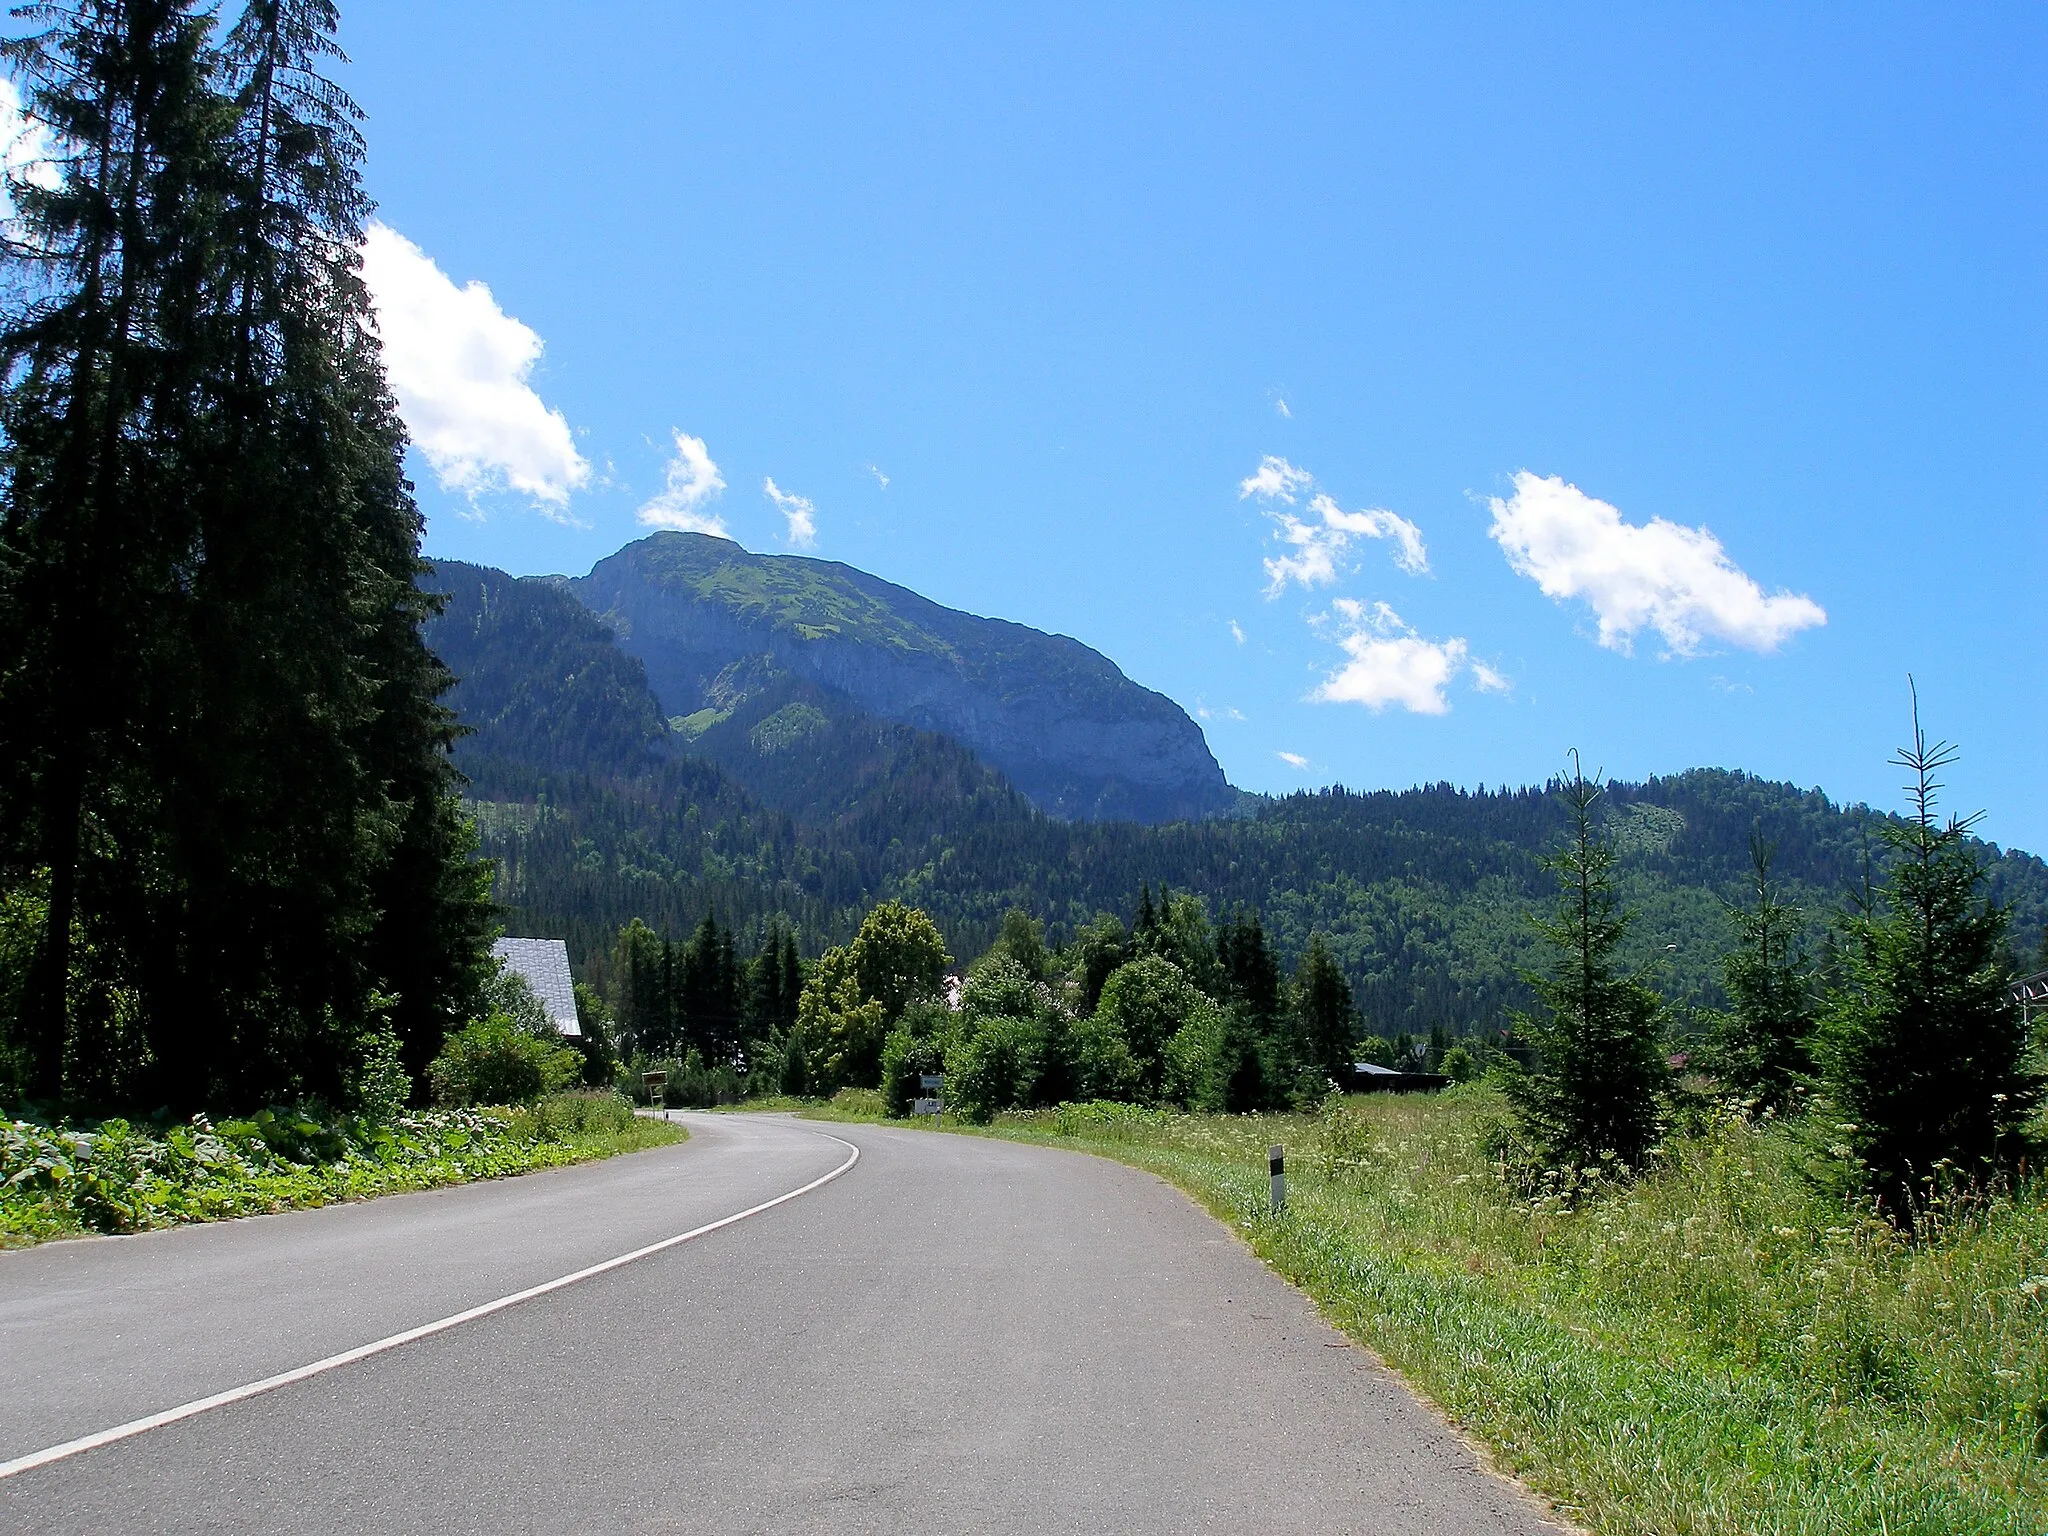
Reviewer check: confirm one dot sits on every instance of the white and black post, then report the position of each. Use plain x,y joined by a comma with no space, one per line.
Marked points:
1276,1164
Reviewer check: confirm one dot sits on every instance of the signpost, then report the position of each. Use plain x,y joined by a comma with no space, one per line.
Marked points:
656,1084
933,1084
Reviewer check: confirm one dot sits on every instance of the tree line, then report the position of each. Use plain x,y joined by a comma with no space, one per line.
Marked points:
1165,1008
1902,1056
1897,1047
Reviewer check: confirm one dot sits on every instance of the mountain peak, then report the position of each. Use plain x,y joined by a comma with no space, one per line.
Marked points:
1060,720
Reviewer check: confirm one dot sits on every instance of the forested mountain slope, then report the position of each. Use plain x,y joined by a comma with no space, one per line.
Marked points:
715,625
795,801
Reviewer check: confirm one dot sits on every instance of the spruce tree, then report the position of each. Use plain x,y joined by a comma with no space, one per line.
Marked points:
1923,1048
708,988
103,373
239,796
1325,1020
1761,1045
1256,1063
1598,1088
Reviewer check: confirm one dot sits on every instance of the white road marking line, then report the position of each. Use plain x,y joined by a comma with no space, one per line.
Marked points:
193,1409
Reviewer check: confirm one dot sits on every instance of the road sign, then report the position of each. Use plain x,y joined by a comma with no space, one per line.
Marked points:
931,1082
924,1106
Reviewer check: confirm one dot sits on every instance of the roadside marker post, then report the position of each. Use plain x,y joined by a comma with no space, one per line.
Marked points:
1276,1165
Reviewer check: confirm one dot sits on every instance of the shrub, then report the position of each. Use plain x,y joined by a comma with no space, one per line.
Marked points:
495,1062
690,1083
1145,1003
1458,1065
380,1088
916,1045
1103,1067
560,1116
994,1068
1196,1072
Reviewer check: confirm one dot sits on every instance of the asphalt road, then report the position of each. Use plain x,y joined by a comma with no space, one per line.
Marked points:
956,1335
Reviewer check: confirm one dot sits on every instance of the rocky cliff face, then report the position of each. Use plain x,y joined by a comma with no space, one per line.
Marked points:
1068,729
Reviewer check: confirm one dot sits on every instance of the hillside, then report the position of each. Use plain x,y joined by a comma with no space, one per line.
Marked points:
794,801
715,626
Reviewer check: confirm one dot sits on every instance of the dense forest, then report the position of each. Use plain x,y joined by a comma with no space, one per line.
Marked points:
597,813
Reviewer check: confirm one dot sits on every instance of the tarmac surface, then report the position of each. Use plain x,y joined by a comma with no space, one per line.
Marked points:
956,1334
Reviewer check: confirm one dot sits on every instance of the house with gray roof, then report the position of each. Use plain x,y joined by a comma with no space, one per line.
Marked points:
545,965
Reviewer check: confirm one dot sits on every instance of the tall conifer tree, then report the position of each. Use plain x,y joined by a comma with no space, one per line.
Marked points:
102,355
1325,1018
1924,1049
1598,1087
244,803
1761,1046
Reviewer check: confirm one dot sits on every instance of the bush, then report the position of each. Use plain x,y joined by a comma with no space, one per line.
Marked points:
1145,1003
1103,1067
379,1087
57,1181
995,1068
493,1061
560,1116
1196,1073
691,1084
1458,1065
916,1045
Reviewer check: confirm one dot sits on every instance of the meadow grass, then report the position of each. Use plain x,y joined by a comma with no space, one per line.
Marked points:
1718,1347
71,1181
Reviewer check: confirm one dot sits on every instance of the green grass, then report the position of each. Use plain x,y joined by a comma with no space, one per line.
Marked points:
1717,1348
116,1177
848,1105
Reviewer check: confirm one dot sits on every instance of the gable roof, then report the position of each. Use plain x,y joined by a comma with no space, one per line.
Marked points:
545,965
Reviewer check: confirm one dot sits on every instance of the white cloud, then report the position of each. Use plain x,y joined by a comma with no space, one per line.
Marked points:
1292,759
1676,580
1236,632
1280,405
1487,680
692,481
1317,546
28,151
1378,523
880,479
1389,663
800,512
1317,543
459,366
1206,711
1274,480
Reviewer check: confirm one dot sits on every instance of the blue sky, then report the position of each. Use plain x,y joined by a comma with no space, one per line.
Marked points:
1674,376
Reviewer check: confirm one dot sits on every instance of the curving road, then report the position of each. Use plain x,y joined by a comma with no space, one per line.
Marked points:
954,1335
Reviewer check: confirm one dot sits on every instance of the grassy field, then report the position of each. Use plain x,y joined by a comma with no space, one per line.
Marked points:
1718,1348
116,1177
